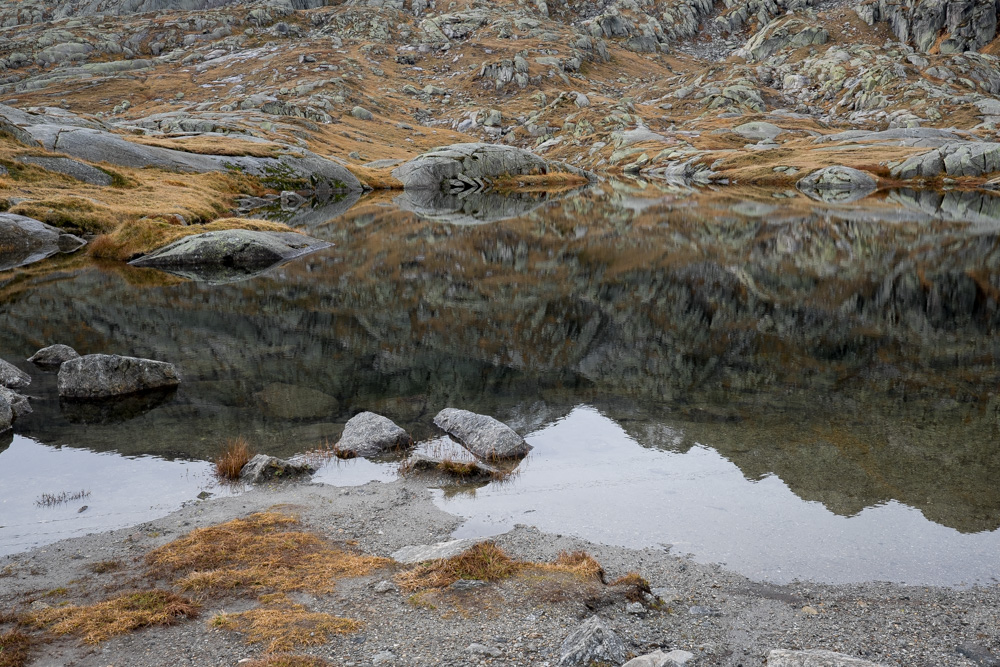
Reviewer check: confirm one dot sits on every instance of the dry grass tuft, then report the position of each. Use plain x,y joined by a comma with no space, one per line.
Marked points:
577,563
288,660
458,469
635,585
132,239
125,613
260,554
236,454
15,646
104,566
285,628
326,452
484,561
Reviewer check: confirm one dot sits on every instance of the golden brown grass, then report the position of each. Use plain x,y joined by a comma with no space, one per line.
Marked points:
377,179
327,451
104,566
285,628
259,554
487,562
15,648
125,613
236,454
635,585
288,660
230,146
133,239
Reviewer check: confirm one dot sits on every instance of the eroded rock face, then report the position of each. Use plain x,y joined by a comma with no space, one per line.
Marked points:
24,240
53,355
231,248
104,375
263,468
958,158
369,434
433,170
591,642
484,436
13,377
965,25
814,658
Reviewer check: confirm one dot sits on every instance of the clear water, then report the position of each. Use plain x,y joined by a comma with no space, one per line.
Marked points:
798,391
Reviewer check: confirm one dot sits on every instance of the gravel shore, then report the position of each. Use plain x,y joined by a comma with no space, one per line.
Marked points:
720,617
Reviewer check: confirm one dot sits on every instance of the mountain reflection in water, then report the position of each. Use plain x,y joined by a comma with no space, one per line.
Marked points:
849,351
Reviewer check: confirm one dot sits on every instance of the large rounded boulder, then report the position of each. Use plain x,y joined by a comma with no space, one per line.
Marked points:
24,240
104,375
484,436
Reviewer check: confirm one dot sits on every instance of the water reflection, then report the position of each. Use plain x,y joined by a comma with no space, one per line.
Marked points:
847,352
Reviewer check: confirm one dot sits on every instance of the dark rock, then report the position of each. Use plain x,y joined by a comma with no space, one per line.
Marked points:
369,434
484,436
262,468
6,414
103,375
13,377
591,642
24,240
63,165
114,410
978,654
53,355
18,404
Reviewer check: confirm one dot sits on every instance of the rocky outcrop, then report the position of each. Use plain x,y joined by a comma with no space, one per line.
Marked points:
953,27
960,158
104,375
24,240
838,183
13,377
263,468
53,355
369,434
72,168
18,403
592,642
232,250
814,658
781,34
474,165
484,436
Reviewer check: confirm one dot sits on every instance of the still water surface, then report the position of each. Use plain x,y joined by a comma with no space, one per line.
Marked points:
798,391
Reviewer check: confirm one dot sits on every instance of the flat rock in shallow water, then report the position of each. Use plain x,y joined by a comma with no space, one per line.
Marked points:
104,375
262,468
24,240
814,658
369,434
13,377
470,470
484,436
53,355
233,248
591,642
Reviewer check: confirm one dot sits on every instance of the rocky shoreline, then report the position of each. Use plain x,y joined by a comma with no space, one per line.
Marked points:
717,617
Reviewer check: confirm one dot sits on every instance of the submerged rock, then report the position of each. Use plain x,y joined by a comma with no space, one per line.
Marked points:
24,240
103,375
591,642
814,658
462,470
484,436
233,250
53,355
13,377
18,404
369,434
262,468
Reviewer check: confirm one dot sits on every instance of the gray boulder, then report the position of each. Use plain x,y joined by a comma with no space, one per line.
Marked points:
53,355
475,162
838,184
957,158
13,377
19,404
421,553
103,375
484,436
24,240
232,249
814,658
263,468
676,658
591,642
781,34
758,131
6,414
72,168
369,434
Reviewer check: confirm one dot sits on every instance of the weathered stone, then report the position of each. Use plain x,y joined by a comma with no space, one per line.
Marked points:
436,168
19,404
814,658
231,248
591,642
24,240
361,113
104,375
13,377
53,355
369,434
72,168
263,468
484,436
676,658
960,158
422,553
6,414
837,183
